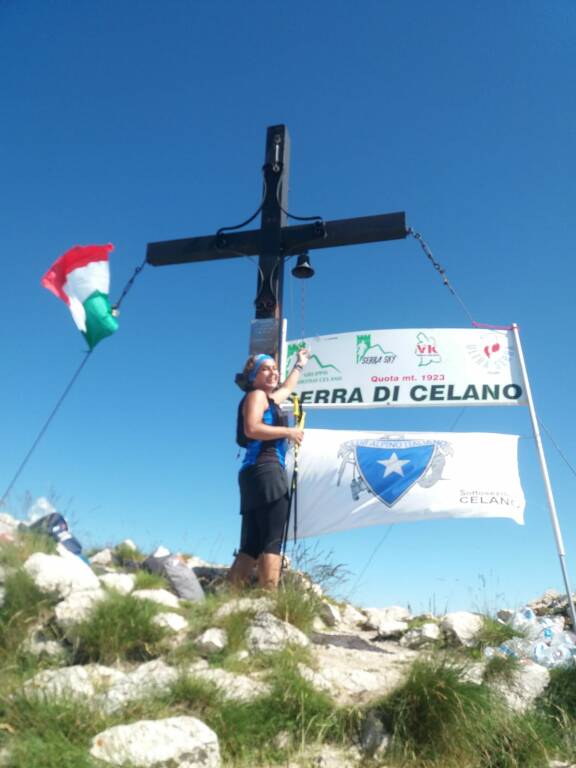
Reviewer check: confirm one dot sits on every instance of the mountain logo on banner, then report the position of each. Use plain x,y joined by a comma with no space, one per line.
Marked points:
390,472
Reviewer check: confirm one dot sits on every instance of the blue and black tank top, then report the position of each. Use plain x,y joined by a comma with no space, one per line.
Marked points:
262,451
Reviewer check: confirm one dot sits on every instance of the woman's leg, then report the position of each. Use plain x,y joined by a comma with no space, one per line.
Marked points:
273,524
242,569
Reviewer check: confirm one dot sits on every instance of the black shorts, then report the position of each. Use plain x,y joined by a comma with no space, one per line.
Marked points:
263,528
261,484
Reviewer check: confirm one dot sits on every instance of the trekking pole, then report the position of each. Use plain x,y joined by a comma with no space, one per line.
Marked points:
300,419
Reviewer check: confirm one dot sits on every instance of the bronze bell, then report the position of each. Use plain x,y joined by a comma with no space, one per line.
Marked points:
303,268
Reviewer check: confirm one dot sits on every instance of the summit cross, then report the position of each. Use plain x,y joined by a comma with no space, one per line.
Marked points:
274,241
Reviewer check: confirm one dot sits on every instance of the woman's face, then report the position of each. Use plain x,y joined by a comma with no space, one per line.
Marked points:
267,376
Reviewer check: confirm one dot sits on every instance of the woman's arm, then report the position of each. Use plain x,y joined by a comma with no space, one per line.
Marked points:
254,428
287,387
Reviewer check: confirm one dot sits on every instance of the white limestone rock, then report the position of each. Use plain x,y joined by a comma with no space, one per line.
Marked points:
173,622
55,574
121,582
212,641
351,616
76,608
330,613
77,682
129,544
233,687
462,626
378,616
318,625
391,629
358,677
175,741
152,677
244,604
422,636
267,633
158,596
39,644
529,682
105,557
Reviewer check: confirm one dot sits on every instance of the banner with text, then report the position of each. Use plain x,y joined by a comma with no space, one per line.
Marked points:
441,366
351,479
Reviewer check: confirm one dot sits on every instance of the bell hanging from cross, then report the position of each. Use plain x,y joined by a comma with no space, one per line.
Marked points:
303,268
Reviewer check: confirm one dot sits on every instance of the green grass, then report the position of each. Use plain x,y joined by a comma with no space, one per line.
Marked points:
247,731
26,543
493,633
124,555
119,627
438,718
560,695
147,580
297,606
48,733
501,669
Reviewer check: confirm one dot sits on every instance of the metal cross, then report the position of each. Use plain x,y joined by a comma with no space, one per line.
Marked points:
274,241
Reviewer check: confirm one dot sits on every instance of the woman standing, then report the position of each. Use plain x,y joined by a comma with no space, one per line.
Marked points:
264,494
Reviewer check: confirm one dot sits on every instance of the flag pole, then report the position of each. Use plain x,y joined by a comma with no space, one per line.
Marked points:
545,475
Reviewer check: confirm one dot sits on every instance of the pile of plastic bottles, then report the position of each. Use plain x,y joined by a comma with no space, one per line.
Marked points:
544,640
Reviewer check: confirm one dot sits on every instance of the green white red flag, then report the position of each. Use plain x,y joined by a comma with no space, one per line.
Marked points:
81,278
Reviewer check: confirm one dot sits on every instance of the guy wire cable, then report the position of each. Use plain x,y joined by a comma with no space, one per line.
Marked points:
441,271
64,394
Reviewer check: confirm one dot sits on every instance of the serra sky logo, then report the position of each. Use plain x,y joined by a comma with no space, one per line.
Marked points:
371,354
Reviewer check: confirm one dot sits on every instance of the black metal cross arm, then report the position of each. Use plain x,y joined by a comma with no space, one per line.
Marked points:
327,234
275,241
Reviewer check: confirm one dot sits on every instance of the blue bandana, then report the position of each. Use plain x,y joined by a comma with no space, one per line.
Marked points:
258,360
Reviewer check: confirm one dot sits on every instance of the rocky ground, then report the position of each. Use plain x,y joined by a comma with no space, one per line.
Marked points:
355,656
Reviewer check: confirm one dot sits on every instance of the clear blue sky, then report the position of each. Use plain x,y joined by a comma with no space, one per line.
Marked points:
131,122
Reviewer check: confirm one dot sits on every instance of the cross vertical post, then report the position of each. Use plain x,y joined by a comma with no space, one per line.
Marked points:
274,217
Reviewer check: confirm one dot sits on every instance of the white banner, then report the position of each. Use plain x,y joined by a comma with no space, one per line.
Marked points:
351,479
446,367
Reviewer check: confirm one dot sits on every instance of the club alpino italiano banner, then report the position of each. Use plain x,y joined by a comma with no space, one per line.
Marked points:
352,479
428,367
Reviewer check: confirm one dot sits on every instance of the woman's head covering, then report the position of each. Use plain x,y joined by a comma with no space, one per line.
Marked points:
245,380
258,360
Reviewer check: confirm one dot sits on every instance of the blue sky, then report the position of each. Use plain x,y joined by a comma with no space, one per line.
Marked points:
133,122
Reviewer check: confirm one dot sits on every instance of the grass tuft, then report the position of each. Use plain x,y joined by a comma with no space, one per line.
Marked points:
438,718
148,580
48,733
501,669
559,698
127,557
493,633
247,730
23,606
119,627
297,606
14,553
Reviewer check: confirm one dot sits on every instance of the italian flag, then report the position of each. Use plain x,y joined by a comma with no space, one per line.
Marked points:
81,278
